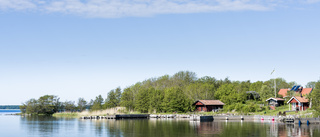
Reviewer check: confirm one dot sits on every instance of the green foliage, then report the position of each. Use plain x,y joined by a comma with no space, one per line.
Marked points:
199,90
280,84
256,86
315,95
311,84
266,92
292,93
113,99
230,94
156,97
69,106
167,94
23,108
250,107
176,101
47,104
127,99
97,103
82,104
143,101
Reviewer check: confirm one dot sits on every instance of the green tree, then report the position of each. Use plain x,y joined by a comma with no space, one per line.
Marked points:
311,84
127,99
113,99
256,86
245,86
143,101
90,104
315,98
48,104
280,84
156,97
183,78
230,93
69,106
23,108
82,104
266,92
97,103
32,106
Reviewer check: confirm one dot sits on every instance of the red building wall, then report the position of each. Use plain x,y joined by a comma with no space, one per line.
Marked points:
305,105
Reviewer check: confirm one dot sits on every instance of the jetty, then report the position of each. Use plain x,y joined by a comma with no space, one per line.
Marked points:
201,118
208,118
130,116
301,120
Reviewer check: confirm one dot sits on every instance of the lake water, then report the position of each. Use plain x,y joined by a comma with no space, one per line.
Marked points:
19,126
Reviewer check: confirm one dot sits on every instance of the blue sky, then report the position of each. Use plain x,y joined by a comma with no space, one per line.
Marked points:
83,48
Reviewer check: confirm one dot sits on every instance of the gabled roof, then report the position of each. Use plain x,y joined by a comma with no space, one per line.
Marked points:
283,92
299,99
277,99
306,91
210,102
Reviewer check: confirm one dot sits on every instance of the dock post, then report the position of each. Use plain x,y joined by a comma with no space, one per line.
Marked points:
299,122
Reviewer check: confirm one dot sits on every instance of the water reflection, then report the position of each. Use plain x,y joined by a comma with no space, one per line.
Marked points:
47,125
207,128
42,125
50,126
302,131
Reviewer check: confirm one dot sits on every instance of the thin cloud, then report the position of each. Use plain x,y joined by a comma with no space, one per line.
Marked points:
116,8
16,5
125,8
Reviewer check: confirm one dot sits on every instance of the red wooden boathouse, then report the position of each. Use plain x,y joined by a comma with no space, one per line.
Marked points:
208,105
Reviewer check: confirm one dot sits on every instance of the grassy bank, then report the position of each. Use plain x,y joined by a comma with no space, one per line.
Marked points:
306,113
111,111
120,110
67,114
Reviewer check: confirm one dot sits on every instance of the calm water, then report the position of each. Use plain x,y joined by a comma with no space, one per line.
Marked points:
17,126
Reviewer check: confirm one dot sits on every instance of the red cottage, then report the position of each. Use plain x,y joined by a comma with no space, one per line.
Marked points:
208,105
298,103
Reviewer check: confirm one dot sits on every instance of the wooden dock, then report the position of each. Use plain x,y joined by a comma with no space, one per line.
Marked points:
201,118
99,117
130,116
307,121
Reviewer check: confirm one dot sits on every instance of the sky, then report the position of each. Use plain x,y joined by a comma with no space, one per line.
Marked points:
85,48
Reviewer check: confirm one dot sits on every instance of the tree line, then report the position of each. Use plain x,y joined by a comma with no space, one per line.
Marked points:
9,107
50,104
175,93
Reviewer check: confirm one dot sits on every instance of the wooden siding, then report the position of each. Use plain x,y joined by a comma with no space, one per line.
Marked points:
208,108
293,101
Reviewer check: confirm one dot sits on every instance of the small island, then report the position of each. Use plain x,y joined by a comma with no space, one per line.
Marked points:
185,94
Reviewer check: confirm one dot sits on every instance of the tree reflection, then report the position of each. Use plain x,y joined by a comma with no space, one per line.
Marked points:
51,126
238,128
40,125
